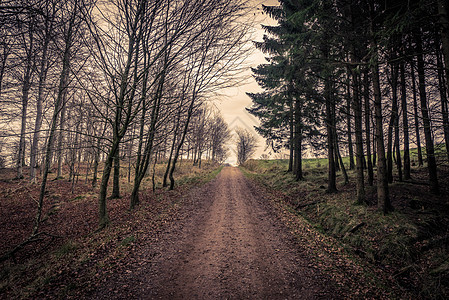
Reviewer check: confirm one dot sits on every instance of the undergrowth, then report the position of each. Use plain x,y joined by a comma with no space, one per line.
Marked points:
410,244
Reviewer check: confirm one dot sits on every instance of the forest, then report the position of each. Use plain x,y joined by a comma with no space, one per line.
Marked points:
363,84
84,83
364,79
113,157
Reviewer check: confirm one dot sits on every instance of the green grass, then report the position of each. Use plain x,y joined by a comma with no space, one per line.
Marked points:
67,248
382,238
127,241
199,178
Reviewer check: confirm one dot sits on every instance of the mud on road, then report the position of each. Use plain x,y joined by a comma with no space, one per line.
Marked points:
227,243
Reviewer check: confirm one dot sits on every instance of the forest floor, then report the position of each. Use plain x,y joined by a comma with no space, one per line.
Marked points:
408,247
229,238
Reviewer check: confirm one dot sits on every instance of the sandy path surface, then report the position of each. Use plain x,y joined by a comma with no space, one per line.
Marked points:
227,243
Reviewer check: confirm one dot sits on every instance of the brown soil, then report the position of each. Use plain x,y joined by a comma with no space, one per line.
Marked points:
227,243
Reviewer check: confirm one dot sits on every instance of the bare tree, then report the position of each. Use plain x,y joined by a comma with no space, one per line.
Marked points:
47,34
246,145
220,135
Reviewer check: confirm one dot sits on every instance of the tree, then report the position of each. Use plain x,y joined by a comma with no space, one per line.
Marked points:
220,135
246,144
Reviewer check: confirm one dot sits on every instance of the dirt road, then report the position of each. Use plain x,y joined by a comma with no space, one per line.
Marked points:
227,244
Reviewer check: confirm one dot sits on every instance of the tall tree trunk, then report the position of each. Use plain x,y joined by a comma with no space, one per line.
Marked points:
120,125
357,105
383,198
431,161
291,138
59,150
405,123
330,127
97,156
181,142
167,169
348,124
25,93
130,152
40,98
443,11
366,89
298,141
173,146
26,85
336,158
393,118
340,159
63,82
103,213
416,117
116,178
397,137
397,148
142,165
4,58
96,161
443,97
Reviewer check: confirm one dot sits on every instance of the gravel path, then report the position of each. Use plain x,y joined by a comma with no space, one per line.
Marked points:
226,243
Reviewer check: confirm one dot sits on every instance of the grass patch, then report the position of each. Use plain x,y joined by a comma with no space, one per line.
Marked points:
198,178
79,197
127,241
66,249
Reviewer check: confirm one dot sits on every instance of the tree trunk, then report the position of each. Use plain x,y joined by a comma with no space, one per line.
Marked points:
357,107
416,117
340,159
348,124
5,54
367,128
172,148
143,163
43,68
443,96
116,179
291,138
58,103
167,169
59,150
405,123
97,157
181,142
443,8
336,158
25,95
21,152
393,118
103,213
298,142
383,199
330,128
397,147
431,162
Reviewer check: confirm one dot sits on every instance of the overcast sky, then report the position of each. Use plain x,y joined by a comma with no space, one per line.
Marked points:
233,105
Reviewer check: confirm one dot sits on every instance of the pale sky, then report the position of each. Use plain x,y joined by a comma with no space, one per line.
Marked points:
233,105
